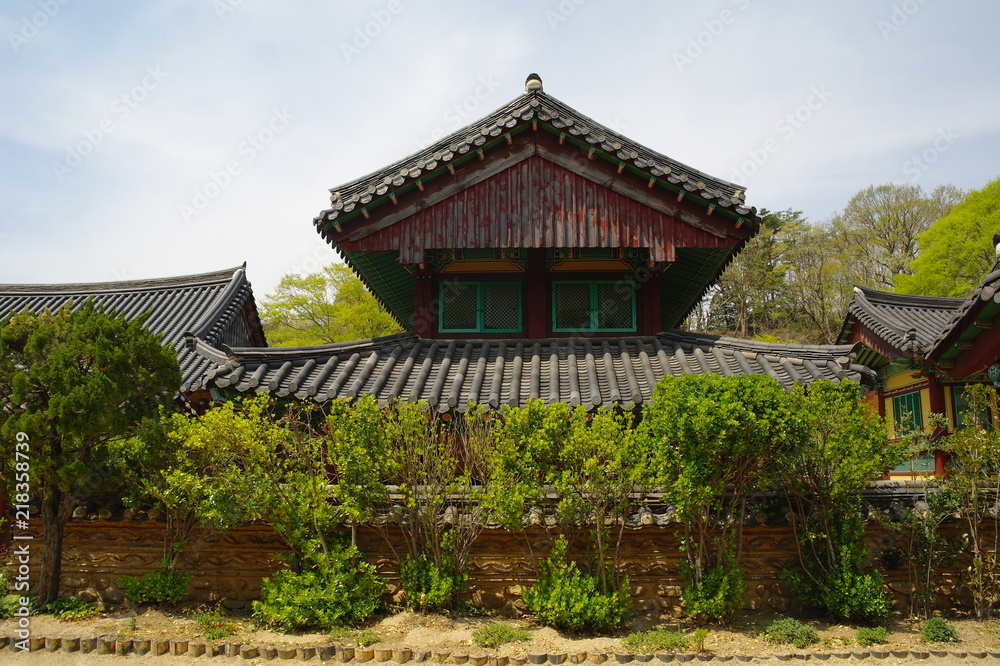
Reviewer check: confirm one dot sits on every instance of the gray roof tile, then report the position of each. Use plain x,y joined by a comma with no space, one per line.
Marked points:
532,106
217,307
449,374
962,316
895,317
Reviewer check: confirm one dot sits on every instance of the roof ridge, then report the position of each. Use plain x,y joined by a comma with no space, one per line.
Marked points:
892,297
533,105
124,285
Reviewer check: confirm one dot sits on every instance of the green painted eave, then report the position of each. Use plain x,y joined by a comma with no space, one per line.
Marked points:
392,285
971,332
684,282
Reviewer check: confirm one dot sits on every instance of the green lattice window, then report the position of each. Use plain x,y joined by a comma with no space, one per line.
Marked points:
924,464
479,307
906,413
593,306
961,404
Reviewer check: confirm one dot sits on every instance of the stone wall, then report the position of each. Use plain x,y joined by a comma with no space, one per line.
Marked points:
228,568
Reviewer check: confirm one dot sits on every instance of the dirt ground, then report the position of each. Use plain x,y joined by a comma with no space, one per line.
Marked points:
450,639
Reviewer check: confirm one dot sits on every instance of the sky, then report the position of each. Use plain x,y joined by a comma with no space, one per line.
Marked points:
171,137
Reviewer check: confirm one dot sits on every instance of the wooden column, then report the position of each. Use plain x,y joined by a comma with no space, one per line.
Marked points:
536,296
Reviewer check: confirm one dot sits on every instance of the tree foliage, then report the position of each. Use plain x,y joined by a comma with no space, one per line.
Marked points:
795,278
973,474
846,447
321,308
73,382
407,462
712,441
958,249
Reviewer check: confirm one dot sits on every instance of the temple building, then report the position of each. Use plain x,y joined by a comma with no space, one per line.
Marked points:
534,254
926,350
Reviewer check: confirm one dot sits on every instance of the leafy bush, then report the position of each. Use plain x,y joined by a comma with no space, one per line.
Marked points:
569,599
496,634
347,592
213,624
655,640
721,592
937,630
69,608
790,630
844,594
868,636
428,586
9,603
157,587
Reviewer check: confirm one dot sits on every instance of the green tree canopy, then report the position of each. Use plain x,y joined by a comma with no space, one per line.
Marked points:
73,382
319,308
957,250
879,227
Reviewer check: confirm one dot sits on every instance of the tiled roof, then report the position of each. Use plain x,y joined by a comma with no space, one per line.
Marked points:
217,307
532,106
908,323
449,374
961,318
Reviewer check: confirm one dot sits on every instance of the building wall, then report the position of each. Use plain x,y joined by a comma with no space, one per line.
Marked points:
229,568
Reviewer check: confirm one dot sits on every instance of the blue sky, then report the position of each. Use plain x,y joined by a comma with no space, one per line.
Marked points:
148,139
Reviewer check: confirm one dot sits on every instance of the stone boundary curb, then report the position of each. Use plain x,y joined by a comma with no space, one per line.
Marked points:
110,645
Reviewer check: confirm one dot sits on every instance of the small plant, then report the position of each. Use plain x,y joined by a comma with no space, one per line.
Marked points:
698,639
656,640
868,636
361,638
495,634
69,608
341,592
157,587
720,593
430,587
791,631
569,599
133,623
212,623
843,593
937,630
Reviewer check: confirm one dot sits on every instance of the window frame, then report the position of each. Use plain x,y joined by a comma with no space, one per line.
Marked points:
480,306
916,415
594,307
957,394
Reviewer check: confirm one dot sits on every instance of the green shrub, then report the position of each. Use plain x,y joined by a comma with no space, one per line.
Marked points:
69,608
213,624
347,592
721,592
428,586
844,594
656,640
791,631
156,587
868,636
569,599
495,634
937,630
9,603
